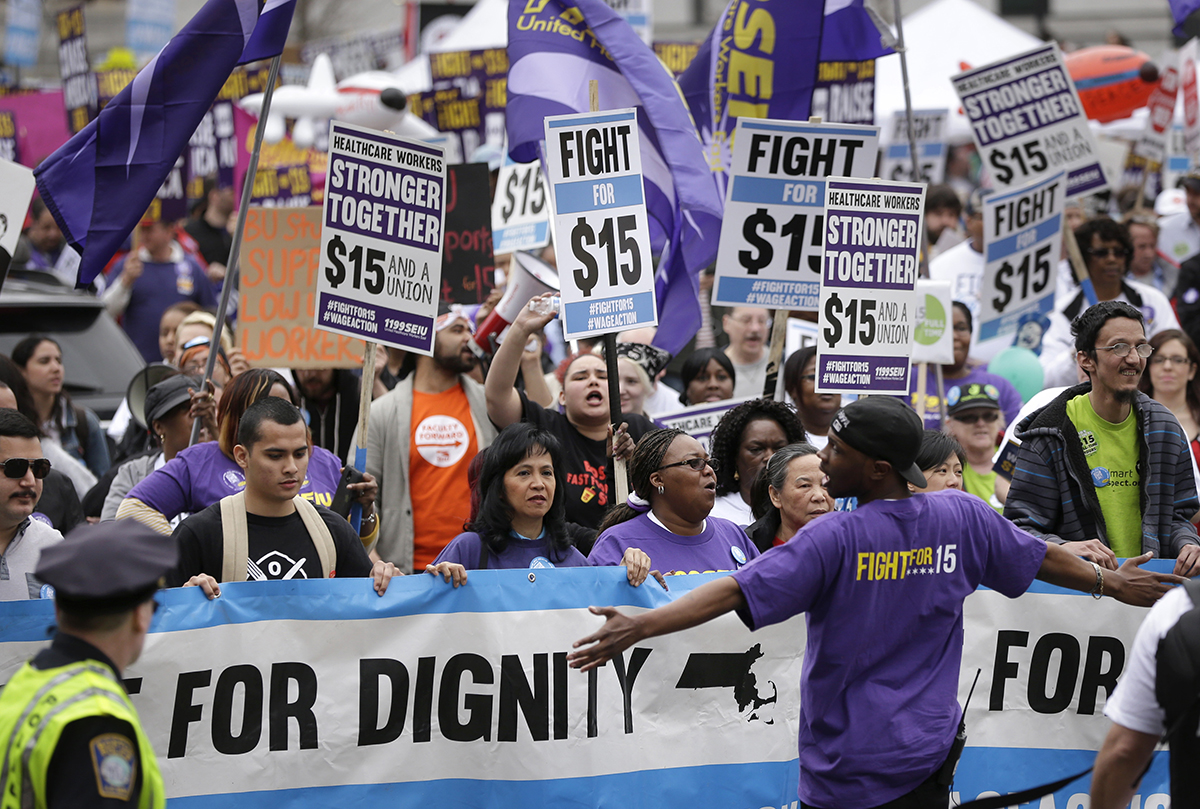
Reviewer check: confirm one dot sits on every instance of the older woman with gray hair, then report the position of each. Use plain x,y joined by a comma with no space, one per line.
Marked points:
788,494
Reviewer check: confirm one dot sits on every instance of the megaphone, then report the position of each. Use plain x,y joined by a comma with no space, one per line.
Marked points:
528,277
143,381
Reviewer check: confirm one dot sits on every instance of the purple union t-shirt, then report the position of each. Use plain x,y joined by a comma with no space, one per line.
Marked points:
721,546
520,552
883,587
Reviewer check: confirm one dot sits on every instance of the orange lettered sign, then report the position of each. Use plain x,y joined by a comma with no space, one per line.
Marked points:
280,259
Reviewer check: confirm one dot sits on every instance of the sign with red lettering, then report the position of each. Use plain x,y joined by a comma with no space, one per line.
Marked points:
279,262
468,264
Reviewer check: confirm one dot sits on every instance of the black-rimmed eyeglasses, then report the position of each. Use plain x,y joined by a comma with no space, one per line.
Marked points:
697,464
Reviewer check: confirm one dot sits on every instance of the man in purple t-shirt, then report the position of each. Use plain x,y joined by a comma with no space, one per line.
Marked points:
883,588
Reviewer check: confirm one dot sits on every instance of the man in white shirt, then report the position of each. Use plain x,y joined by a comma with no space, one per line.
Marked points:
1107,251
747,329
1179,234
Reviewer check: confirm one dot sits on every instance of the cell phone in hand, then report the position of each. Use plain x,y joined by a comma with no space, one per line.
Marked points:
343,497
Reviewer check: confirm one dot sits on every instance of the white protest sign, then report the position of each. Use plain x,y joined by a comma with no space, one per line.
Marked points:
1027,120
770,249
700,420
869,270
1022,236
1161,108
381,238
600,223
933,335
1188,55
520,215
929,127
18,183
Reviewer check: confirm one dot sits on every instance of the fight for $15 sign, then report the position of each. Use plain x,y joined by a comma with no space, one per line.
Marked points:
869,272
520,216
381,239
929,132
770,249
1022,236
1027,120
600,225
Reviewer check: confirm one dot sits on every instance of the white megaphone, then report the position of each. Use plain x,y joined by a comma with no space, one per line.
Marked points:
528,277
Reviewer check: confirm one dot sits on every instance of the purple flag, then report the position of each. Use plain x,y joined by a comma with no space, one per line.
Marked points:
1181,10
553,53
270,34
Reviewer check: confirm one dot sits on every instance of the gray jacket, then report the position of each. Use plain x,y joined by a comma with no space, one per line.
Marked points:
388,442
129,474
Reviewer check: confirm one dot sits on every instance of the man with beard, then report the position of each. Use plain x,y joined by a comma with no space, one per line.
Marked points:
423,435
331,398
1120,460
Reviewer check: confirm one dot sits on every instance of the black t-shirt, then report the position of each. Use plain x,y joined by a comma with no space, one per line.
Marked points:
214,243
588,469
280,547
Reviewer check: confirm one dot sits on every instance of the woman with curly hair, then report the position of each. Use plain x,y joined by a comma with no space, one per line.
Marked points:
742,442
667,513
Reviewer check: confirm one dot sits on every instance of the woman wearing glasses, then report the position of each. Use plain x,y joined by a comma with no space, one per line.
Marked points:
1170,379
667,515
974,420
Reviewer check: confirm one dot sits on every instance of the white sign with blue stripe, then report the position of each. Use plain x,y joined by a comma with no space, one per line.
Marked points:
520,213
594,163
929,129
772,232
1022,236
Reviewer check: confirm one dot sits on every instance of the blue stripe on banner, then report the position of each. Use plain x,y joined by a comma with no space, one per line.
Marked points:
599,194
982,769
899,151
744,785
802,129
1008,245
1009,321
774,191
771,293
1156,565
617,313
593,119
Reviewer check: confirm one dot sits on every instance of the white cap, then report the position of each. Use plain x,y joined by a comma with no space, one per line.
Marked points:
1173,200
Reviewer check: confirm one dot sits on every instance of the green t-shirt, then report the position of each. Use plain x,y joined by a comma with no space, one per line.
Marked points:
1112,455
982,486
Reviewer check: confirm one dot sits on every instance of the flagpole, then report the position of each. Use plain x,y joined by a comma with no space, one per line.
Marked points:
235,247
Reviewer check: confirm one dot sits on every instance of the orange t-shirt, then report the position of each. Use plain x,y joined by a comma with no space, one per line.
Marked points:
441,447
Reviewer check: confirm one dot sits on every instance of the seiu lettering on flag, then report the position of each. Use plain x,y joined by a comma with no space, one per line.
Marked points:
760,61
99,183
555,48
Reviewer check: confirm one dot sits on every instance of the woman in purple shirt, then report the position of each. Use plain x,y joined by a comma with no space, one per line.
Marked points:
674,486
521,521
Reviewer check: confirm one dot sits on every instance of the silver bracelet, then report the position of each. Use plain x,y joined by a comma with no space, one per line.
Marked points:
1098,591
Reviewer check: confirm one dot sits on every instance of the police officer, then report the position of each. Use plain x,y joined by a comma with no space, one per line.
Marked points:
69,733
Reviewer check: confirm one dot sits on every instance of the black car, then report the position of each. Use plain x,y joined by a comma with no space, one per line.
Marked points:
99,359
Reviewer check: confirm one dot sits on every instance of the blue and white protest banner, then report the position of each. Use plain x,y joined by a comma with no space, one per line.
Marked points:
1027,120
869,272
148,25
381,238
594,163
1022,237
700,420
771,236
80,92
520,215
929,130
22,32
321,693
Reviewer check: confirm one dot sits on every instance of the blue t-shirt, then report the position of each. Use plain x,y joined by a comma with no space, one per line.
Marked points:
883,588
721,546
520,552
159,286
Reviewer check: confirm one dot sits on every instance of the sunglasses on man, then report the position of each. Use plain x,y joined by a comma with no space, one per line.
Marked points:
17,467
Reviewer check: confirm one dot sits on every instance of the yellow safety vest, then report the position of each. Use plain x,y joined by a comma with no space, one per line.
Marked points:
36,706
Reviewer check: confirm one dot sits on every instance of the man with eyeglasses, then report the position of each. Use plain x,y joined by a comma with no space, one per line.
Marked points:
1104,469
22,537
1107,251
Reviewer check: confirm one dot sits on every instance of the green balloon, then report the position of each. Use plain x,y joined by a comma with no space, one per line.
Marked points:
1019,366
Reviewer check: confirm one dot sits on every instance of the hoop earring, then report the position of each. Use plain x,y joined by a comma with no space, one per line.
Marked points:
660,490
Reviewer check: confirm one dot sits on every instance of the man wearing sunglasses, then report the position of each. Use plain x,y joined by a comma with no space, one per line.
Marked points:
1104,469
22,537
1107,251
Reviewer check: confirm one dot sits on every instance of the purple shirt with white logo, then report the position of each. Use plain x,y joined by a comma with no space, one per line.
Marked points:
201,475
520,552
883,589
721,546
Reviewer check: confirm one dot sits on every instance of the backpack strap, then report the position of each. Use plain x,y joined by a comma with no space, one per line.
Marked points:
235,538
319,532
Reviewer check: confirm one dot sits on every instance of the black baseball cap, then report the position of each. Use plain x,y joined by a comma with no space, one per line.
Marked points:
168,395
884,428
972,397
1191,180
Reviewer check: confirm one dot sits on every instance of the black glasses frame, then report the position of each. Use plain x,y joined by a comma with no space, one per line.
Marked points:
697,464
16,468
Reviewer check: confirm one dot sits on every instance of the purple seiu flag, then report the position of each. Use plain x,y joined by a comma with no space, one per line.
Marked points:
100,182
1181,10
555,48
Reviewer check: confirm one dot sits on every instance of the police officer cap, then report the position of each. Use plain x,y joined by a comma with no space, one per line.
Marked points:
107,568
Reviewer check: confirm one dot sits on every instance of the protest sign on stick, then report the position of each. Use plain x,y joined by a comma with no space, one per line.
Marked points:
468,264
869,271
381,238
929,134
520,215
280,259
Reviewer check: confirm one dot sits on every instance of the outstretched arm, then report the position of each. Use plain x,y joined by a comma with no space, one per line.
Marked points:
622,631
1128,584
